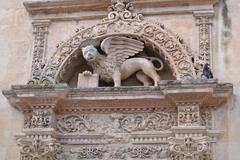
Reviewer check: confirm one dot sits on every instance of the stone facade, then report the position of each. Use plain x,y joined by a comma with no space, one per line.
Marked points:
185,117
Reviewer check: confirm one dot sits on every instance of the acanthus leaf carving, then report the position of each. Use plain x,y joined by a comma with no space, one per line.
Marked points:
74,124
190,148
121,123
37,149
40,31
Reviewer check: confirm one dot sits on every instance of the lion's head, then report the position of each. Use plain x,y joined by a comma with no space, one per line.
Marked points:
90,53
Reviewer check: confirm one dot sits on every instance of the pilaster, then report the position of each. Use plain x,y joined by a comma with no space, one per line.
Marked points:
204,23
40,32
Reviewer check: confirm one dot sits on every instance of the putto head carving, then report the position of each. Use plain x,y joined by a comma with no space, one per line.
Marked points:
90,53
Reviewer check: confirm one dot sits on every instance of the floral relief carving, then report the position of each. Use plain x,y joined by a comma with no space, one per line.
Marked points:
74,124
123,123
205,23
206,118
190,148
119,152
148,122
40,31
89,152
39,118
38,149
188,114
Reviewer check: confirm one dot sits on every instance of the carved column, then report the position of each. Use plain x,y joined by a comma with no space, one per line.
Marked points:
38,141
204,23
40,31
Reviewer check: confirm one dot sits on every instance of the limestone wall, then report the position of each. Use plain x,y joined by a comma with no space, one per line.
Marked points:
15,40
16,58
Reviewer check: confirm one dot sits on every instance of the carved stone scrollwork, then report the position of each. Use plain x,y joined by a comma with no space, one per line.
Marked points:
89,152
122,10
188,114
38,149
74,124
204,21
190,149
38,118
40,31
148,122
121,123
119,152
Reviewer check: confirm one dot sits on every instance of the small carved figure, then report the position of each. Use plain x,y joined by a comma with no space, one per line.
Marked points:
117,64
207,71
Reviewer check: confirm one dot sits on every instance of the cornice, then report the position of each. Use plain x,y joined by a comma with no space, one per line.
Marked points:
66,6
106,99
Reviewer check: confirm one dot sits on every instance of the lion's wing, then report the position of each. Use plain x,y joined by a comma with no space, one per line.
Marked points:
118,49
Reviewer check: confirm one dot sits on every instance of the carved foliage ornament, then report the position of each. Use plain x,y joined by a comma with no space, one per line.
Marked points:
40,31
190,149
118,152
123,123
165,43
40,118
38,149
122,10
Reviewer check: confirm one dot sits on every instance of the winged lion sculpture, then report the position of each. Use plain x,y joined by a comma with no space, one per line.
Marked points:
118,63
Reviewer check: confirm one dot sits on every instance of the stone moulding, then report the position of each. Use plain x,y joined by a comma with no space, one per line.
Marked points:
63,6
109,98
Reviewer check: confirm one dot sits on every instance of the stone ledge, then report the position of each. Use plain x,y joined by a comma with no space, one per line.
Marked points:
65,6
123,99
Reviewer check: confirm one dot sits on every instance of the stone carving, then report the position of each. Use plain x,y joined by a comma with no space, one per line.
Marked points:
117,65
39,47
164,43
39,118
190,149
38,149
206,118
87,80
122,123
74,124
148,122
122,10
89,153
188,114
204,21
114,152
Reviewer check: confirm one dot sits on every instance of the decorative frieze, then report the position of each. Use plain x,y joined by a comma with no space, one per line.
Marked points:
116,123
40,31
117,152
204,23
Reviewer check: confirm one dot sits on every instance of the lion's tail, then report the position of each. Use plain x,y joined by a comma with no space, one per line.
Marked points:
155,59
